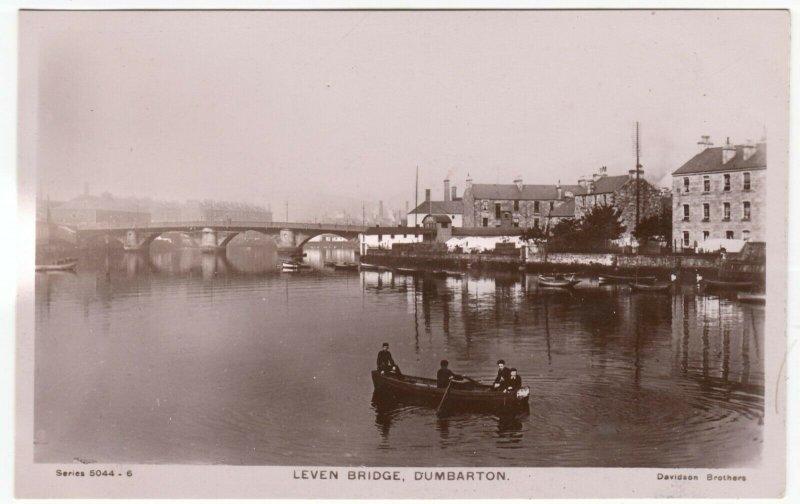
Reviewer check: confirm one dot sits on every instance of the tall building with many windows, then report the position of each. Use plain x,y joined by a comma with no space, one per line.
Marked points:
719,194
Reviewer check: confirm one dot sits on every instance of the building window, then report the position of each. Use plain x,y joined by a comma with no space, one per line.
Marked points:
685,212
445,225
535,207
726,211
516,205
380,237
536,223
497,210
391,236
516,222
686,238
727,180
552,204
706,212
745,235
706,184
746,210
729,235
705,235
485,222
746,184
685,184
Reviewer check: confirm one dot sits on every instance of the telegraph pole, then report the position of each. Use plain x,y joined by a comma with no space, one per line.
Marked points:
637,173
416,196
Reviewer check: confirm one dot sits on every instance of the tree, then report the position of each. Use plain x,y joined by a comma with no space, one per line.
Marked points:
533,234
655,227
600,224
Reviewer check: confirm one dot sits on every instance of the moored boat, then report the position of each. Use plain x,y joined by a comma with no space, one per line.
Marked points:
654,287
752,297
345,266
290,266
726,284
470,395
551,281
408,271
329,264
68,264
625,279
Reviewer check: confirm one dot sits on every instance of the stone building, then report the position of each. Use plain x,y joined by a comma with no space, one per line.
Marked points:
619,191
451,205
720,194
101,210
512,205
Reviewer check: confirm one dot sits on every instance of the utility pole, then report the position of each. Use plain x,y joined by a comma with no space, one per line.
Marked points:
416,196
638,166
363,214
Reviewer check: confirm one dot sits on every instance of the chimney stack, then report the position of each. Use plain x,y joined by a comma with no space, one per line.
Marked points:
748,149
704,142
728,152
447,189
427,195
582,182
632,173
453,193
518,183
468,182
559,192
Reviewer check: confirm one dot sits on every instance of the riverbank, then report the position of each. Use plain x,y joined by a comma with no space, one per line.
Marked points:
661,266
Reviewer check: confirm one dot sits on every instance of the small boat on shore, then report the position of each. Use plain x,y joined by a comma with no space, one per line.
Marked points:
654,287
470,395
67,264
329,264
290,266
346,266
371,267
625,279
752,297
552,281
726,285
452,273
408,271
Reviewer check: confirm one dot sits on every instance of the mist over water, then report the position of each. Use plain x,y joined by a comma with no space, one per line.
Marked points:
178,357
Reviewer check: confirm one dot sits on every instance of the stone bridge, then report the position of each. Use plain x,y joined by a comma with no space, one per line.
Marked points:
215,236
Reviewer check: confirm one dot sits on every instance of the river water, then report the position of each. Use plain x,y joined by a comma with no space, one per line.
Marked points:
178,357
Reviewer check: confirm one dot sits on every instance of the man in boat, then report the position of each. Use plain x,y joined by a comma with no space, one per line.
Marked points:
386,363
514,382
444,376
503,373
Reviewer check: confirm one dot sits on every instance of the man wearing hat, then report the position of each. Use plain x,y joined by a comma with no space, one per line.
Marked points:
385,361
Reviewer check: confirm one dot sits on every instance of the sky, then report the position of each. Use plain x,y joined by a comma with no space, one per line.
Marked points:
341,107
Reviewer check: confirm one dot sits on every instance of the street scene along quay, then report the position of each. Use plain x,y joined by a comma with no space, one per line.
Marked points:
316,257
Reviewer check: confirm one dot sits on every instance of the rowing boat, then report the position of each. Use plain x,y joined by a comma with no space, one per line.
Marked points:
752,297
656,287
472,395
550,281
62,265
372,267
345,266
408,271
625,279
725,284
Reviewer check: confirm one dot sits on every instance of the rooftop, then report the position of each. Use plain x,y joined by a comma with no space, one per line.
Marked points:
528,192
440,207
710,161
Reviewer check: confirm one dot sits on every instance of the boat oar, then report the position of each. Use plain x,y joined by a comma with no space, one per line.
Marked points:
439,408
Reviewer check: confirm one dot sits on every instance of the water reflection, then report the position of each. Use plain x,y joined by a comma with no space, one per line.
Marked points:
212,351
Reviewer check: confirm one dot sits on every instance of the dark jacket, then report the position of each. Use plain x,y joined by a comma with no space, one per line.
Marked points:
385,361
443,377
514,384
502,377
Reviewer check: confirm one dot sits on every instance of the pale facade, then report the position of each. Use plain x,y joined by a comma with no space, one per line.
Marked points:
720,195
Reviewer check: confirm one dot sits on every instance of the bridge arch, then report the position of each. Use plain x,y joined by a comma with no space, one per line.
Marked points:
307,238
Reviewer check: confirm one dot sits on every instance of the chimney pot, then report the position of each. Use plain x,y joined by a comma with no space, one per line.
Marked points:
446,189
427,195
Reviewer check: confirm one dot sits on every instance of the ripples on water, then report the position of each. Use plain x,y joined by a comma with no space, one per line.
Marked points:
182,357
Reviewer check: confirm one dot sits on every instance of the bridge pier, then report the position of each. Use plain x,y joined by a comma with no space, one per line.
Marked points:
208,241
133,242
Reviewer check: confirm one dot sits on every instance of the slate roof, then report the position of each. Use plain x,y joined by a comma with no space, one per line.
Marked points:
606,185
710,161
528,192
438,218
440,207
